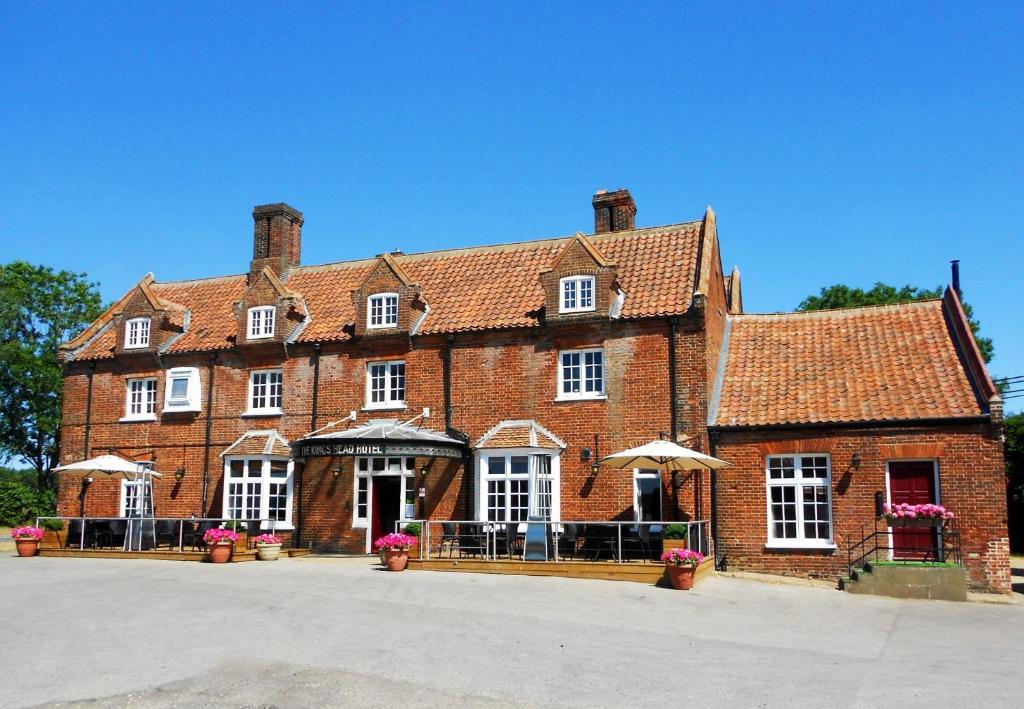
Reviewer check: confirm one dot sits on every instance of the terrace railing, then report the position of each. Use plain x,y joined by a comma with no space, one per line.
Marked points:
120,532
546,540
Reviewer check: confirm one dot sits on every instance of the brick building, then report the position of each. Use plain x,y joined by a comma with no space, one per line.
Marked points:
336,399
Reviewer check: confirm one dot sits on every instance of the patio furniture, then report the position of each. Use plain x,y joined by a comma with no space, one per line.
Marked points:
118,528
196,538
166,532
471,541
568,541
80,535
101,533
599,540
513,546
253,529
644,538
449,536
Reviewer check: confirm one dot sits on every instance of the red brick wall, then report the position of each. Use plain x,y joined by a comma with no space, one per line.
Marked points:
970,459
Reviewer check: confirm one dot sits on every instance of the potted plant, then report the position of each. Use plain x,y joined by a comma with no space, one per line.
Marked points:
240,528
682,565
396,550
268,547
27,540
674,537
904,515
221,543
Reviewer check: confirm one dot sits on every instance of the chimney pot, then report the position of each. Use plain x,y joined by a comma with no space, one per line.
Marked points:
614,211
955,267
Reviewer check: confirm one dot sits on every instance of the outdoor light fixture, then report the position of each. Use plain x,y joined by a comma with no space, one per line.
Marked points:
585,454
595,468
179,474
336,472
855,461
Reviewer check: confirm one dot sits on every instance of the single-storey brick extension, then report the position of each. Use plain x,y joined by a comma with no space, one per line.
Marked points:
339,398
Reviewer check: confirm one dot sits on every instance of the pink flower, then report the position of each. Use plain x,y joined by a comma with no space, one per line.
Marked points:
267,539
27,533
395,542
682,557
218,536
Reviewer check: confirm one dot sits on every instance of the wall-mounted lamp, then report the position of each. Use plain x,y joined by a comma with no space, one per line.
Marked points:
179,474
86,482
855,461
336,472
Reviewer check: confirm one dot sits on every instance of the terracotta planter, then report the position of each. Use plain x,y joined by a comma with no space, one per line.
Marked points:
220,553
51,540
268,552
27,547
681,577
668,544
396,560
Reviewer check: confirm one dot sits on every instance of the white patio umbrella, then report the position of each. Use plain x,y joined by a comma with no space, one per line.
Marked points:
662,455
111,465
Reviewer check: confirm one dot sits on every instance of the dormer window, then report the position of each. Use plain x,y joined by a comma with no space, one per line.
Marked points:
382,310
261,322
577,294
136,333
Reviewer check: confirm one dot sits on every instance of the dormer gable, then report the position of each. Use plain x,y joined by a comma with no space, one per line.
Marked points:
581,283
269,311
388,301
145,322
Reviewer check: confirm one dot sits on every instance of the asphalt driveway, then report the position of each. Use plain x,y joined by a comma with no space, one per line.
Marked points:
315,632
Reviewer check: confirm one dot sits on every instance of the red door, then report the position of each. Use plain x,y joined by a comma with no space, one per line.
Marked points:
913,483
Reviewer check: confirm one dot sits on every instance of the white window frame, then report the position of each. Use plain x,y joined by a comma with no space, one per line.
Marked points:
137,333
147,399
264,477
364,471
582,394
261,322
388,402
799,482
647,474
572,286
266,410
388,311
122,504
193,390
483,476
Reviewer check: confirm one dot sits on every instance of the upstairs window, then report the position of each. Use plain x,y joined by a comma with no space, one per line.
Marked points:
385,385
577,294
261,322
382,310
799,501
581,374
266,391
181,392
141,400
136,333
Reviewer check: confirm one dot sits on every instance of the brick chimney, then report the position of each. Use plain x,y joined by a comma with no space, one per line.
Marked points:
277,238
614,211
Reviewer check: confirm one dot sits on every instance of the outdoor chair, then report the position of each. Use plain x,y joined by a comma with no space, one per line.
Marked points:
471,541
598,540
568,541
197,541
118,528
166,533
101,533
77,538
449,537
513,545
644,540
253,529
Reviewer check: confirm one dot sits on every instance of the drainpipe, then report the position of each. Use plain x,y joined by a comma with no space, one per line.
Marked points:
719,560
300,465
88,409
209,432
673,325
468,483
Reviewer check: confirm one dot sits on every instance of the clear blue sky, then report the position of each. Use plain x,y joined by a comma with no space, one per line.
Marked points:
854,143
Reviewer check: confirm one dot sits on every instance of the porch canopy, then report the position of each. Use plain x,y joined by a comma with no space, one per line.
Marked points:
662,455
380,437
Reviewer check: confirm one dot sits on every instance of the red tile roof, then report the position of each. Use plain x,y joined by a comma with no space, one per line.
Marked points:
467,289
891,362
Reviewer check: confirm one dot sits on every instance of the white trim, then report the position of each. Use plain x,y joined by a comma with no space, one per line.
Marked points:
647,473
404,473
146,402
384,322
388,402
193,387
268,314
140,342
797,481
265,410
581,395
481,457
265,481
577,282
123,499
888,486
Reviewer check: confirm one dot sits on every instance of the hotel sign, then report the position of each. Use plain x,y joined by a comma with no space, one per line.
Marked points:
328,449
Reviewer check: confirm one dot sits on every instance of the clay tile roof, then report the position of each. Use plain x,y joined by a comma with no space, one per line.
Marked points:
468,289
268,442
891,362
519,434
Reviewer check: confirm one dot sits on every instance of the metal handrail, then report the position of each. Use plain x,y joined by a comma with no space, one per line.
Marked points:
489,531
136,518
948,546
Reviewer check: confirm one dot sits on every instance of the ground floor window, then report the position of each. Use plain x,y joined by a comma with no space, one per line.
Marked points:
799,500
133,499
259,488
512,484
647,494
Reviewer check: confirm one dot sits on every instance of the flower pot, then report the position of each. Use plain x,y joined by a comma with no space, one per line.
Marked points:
220,553
396,560
268,552
681,577
27,547
668,544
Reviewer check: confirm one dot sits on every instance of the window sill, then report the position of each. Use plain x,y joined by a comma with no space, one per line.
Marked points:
601,397
279,527
577,311
260,337
800,546
138,419
180,410
396,407
262,413
360,524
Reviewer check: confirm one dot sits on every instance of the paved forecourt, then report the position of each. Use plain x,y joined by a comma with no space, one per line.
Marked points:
305,632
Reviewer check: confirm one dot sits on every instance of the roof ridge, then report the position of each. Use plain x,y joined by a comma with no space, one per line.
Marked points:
826,311
187,281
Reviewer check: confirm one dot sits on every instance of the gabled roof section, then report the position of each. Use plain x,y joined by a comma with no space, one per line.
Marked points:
275,282
880,363
389,261
580,239
267,442
522,433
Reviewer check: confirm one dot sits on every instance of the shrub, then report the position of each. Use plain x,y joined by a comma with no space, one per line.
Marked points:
413,529
19,503
676,531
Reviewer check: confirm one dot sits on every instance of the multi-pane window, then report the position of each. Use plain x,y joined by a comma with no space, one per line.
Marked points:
382,310
261,322
369,468
133,498
136,333
799,499
385,385
266,391
258,488
141,399
507,493
581,374
577,294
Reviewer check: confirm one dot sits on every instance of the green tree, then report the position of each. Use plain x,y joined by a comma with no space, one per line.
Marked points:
39,309
1013,447
843,296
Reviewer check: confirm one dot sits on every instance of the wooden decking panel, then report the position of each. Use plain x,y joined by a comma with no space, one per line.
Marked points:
148,554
